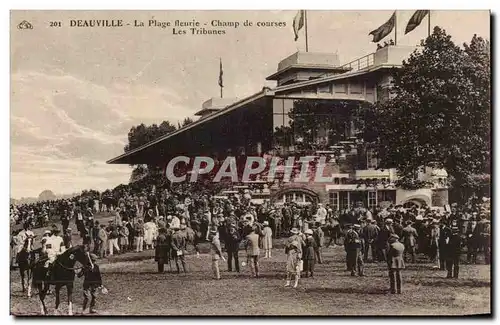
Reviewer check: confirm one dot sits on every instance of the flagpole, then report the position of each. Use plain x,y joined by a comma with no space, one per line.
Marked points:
395,27
305,22
429,24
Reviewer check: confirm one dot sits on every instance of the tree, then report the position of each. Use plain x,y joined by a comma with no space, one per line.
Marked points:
142,134
438,113
187,121
139,172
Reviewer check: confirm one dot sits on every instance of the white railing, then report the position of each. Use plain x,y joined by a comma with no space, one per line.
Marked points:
361,63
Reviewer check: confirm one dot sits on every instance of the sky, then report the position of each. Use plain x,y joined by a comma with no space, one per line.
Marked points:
76,92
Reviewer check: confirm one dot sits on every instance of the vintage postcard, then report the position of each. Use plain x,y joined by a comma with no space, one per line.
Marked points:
250,163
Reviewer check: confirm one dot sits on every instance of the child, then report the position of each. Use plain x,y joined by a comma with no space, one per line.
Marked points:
267,240
91,282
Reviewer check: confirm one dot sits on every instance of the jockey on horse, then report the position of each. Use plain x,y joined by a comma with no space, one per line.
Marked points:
22,235
52,247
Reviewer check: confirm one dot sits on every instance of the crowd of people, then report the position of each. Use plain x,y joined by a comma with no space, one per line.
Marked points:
149,215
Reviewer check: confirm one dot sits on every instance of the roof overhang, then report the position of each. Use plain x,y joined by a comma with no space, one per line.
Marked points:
125,158
315,67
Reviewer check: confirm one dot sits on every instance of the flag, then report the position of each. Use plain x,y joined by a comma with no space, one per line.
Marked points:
221,84
298,23
384,30
415,20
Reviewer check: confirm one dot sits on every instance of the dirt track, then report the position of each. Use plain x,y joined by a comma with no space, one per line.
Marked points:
136,289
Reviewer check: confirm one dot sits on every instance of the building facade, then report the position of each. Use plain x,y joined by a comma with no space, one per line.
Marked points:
312,110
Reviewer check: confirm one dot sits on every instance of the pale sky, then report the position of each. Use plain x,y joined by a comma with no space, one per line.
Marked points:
76,92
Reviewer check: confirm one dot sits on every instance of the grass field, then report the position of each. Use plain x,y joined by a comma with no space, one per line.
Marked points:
136,289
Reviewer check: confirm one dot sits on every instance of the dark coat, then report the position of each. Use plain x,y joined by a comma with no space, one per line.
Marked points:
454,247
162,249
178,242
395,259
308,249
92,277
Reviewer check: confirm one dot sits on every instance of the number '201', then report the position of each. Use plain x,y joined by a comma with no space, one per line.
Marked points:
55,24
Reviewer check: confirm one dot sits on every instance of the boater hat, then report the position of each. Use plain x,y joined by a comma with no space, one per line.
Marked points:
294,231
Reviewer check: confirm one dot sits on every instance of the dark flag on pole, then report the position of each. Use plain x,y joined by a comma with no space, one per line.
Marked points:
298,23
221,84
415,20
384,30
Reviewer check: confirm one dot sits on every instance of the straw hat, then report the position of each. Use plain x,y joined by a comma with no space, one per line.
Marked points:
294,231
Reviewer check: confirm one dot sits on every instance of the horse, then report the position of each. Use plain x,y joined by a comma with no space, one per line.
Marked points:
25,260
63,275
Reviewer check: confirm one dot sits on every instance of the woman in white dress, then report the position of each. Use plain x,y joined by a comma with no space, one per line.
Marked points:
150,232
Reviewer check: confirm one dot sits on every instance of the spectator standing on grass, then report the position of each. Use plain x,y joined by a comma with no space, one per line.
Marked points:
308,250
319,238
215,252
91,283
139,235
102,240
178,245
253,251
232,243
162,250
395,263
293,250
409,240
452,252
113,239
267,239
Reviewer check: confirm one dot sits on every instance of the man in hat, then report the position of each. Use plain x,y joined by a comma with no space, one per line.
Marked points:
409,240
215,251
452,252
444,237
91,282
308,254
370,234
178,244
162,250
232,243
395,263
319,237
383,237
482,235
253,251
352,248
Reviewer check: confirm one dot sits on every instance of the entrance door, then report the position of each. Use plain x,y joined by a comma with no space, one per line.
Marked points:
358,199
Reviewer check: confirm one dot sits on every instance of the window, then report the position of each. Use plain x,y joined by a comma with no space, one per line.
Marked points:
371,159
344,200
324,89
356,88
372,199
386,196
341,88
334,200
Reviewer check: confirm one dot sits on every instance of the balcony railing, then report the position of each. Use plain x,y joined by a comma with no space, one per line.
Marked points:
361,63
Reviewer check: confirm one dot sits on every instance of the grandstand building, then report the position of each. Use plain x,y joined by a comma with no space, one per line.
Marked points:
262,124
